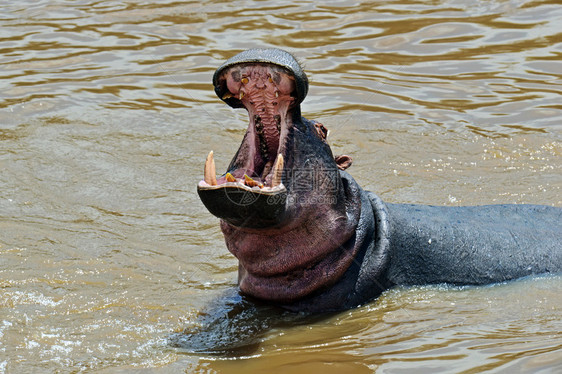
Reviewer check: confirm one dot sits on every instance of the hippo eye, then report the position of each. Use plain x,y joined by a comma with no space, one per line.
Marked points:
244,80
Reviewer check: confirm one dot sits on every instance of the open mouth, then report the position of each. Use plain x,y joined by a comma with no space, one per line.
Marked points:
270,182
267,91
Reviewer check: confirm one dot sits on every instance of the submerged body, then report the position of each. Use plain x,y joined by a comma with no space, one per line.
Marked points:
473,245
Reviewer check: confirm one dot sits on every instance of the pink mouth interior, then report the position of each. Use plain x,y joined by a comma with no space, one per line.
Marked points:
267,92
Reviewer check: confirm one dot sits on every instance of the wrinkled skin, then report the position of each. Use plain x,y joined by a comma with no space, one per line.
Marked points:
308,238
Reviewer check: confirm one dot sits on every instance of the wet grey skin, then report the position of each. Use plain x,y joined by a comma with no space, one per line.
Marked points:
353,246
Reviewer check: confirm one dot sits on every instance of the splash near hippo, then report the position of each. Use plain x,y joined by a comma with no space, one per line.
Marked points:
308,238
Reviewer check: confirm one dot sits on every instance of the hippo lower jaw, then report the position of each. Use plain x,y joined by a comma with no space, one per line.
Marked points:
304,256
243,201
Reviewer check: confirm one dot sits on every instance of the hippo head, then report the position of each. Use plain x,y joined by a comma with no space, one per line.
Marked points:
287,211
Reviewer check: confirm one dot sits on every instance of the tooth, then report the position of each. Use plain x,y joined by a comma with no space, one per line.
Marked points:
210,172
266,169
249,181
277,171
276,93
241,95
227,95
230,178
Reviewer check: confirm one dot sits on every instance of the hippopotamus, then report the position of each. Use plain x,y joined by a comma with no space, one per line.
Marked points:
309,239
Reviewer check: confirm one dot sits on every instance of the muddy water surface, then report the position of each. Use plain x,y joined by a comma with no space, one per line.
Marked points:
107,113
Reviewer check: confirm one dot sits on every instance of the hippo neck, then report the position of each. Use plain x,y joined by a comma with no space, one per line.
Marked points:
286,264
366,277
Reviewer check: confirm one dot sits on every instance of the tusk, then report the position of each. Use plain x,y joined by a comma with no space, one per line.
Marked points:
277,171
210,172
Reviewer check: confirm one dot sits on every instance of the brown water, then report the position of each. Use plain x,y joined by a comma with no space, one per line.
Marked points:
107,113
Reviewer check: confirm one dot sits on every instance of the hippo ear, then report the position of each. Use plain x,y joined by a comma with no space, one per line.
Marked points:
343,161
